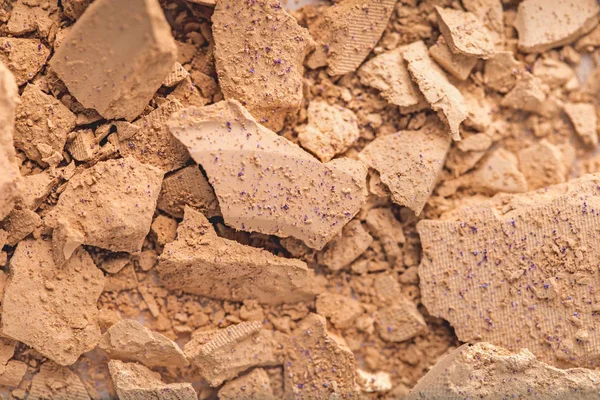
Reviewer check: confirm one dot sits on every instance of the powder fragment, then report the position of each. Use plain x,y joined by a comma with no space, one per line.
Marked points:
252,386
73,9
261,66
333,376
164,230
331,130
224,354
493,267
444,98
84,146
135,382
341,251
374,383
42,125
384,225
7,346
177,74
542,165
19,224
54,382
266,183
202,263
526,95
499,172
502,71
115,262
121,85
24,57
35,189
13,373
28,16
400,321
545,24
494,371
584,120
341,310
387,72
459,65
347,32
464,33
187,94
480,108
409,163
125,279
553,73
490,13
9,97
111,204
61,321
589,41
128,340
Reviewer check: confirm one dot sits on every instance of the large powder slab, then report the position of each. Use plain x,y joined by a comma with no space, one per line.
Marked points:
116,77
519,271
9,97
264,182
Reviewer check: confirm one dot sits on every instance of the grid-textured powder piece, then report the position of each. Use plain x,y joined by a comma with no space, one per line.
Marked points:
520,271
55,382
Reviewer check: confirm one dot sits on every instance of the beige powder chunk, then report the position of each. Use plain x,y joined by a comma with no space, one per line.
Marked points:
135,382
552,72
384,225
459,65
400,321
341,251
128,340
83,147
177,74
42,126
542,165
13,373
253,386
121,85
73,9
444,98
54,382
333,376
545,24
10,175
341,310
187,94
259,51
347,32
224,354
495,372
266,183
202,263
409,163
489,12
499,172
331,130
501,71
464,33
374,383
61,319
387,72
7,346
188,186
583,117
19,224
164,230
526,95
110,205
28,16
514,271
24,57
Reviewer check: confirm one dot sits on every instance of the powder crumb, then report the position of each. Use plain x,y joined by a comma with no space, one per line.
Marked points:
342,311
584,120
542,165
399,322
459,65
464,33
54,382
527,95
23,57
340,252
164,230
502,71
252,386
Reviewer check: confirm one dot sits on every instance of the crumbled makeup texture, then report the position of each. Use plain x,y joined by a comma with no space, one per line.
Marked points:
492,267
459,65
584,120
24,57
464,33
545,24
264,182
61,318
202,263
261,70
492,371
502,71
542,164
29,16
8,162
342,311
340,252
499,172
121,85
527,94
254,385
54,382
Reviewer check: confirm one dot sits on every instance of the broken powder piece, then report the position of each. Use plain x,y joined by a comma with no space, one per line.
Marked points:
42,125
188,186
374,383
502,71
119,86
7,346
480,107
13,373
400,321
331,130
125,279
65,240
332,376
341,251
19,224
83,146
499,172
73,9
28,16
444,98
545,24
542,165
491,14
552,72
61,321
387,72
224,354
9,178
24,57
509,374
409,163
459,65
584,120
115,262
492,267
589,42
526,95
128,340
260,67
264,182
202,263
477,142
54,382
347,32
135,382
111,204
152,143
464,33
187,94
253,386
384,225
164,230
341,310
177,74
